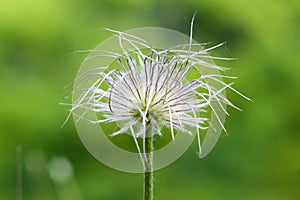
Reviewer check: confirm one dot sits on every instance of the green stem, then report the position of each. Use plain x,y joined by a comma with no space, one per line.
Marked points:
148,175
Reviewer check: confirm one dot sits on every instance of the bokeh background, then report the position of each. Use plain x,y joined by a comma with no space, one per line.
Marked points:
260,157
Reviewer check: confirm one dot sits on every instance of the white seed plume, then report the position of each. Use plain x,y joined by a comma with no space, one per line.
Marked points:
149,88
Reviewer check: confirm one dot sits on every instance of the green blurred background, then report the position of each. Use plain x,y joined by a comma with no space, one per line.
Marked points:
260,159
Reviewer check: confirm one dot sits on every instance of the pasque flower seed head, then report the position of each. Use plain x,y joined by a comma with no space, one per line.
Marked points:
150,88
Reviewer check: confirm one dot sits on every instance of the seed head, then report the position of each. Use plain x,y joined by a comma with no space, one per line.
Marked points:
151,88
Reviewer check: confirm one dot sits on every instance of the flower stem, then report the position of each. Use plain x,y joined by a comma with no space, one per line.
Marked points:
148,175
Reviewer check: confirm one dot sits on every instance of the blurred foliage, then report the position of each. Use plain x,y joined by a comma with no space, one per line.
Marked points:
258,160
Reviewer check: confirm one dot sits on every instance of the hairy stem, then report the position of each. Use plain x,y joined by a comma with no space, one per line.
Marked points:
148,175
